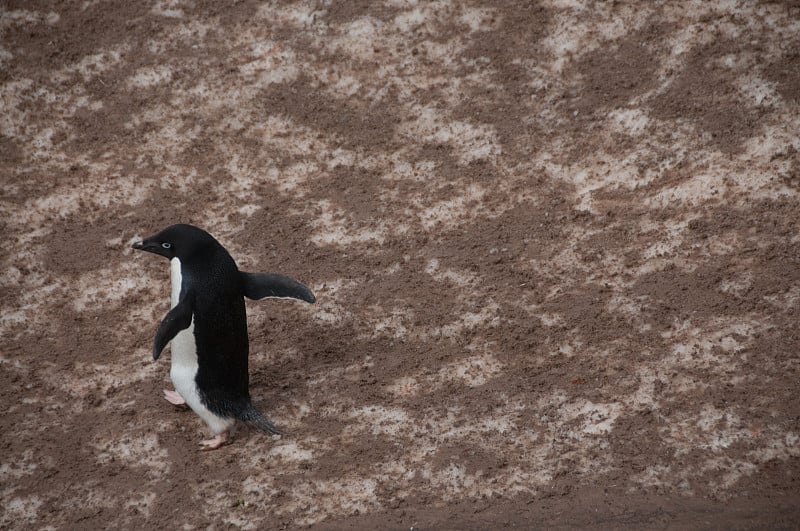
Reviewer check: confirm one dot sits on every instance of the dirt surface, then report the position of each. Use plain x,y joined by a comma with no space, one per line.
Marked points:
554,244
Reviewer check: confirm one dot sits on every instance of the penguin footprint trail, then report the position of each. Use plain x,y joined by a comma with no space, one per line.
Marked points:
207,325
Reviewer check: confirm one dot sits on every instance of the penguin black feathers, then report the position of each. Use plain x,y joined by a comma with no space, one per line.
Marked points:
207,326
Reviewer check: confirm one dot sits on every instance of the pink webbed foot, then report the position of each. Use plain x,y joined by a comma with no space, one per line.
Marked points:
216,442
174,398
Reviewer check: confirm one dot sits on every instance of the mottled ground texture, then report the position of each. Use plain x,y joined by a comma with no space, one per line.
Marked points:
555,246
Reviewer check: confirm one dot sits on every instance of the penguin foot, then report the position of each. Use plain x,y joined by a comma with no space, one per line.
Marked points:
174,398
216,442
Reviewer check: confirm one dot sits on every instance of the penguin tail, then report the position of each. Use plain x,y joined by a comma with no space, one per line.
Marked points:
253,417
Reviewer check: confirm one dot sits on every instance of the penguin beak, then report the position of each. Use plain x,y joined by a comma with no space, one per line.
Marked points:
150,247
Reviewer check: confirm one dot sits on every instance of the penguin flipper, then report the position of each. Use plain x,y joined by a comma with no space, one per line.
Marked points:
260,285
177,319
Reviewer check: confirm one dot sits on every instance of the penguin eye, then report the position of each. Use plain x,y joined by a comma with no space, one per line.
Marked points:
166,245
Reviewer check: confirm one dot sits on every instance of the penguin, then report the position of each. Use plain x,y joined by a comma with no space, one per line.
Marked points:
207,324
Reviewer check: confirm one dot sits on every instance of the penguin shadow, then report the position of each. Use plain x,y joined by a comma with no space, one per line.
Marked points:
303,371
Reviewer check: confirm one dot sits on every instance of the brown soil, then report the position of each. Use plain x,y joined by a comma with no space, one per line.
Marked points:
554,245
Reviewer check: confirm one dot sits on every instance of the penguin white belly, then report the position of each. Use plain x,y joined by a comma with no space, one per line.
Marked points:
183,368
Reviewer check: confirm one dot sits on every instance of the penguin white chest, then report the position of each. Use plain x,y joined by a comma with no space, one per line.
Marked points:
184,349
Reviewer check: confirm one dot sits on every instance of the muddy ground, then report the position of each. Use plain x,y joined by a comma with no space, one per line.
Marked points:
555,247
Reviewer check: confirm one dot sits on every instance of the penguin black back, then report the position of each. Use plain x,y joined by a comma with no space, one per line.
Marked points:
210,278
211,298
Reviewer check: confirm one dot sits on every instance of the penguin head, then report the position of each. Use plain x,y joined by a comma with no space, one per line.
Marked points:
178,241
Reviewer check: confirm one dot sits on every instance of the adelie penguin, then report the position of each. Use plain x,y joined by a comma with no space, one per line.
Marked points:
208,327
